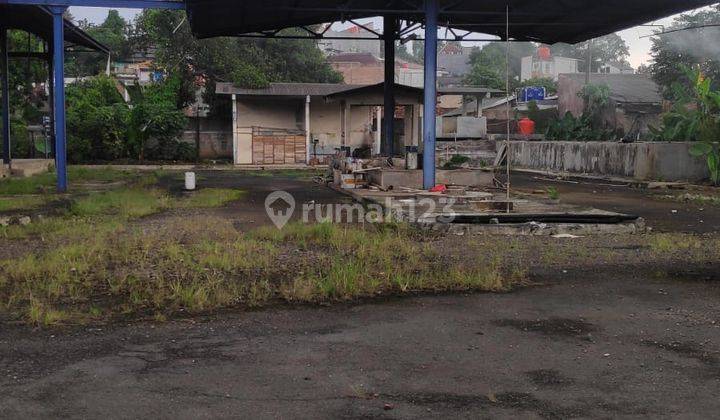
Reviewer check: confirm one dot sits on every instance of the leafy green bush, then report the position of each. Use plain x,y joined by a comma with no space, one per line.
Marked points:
97,119
101,126
550,85
456,161
569,128
695,114
591,124
541,117
157,116
712,154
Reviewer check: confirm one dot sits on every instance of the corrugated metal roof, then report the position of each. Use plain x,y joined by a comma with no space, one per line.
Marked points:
286,89
362,58
624,88
467,90
547,21
379,87
38,21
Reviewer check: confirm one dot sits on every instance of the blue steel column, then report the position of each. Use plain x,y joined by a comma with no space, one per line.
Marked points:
59,98
5,74
51,97
430,102
389,30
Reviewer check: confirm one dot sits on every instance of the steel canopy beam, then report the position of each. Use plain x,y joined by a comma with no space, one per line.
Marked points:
127,4
390,25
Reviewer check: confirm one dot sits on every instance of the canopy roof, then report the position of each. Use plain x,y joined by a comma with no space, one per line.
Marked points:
547,21
38,21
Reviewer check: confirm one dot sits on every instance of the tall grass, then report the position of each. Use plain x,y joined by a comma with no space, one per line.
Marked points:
202,264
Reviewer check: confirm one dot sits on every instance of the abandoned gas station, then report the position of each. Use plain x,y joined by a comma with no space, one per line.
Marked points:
517,20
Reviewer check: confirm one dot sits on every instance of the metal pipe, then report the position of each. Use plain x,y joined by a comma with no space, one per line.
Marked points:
389,29
5,74
59,98
307,130
430,100
378,132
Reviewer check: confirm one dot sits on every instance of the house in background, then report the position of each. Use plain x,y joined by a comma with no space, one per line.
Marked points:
454,59
355,40
635,100
614,67
544,65
365,69
287,123
358,68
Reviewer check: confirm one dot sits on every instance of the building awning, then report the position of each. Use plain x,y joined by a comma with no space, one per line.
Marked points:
547,21
328,91
287,90
624,88
38,21
468,90
377,88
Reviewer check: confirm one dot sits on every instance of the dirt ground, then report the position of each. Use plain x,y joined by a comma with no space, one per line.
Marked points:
661,213
604,341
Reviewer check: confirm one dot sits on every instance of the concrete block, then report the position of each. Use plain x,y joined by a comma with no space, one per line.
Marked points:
30,167
663,161
439,132
414,179
471,127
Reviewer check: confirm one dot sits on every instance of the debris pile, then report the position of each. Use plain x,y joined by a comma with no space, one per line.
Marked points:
351,172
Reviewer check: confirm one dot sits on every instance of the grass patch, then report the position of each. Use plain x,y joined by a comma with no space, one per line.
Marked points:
209,197
21,202
673,242
204,264
553,193
699,199
456,162
126,203
46,182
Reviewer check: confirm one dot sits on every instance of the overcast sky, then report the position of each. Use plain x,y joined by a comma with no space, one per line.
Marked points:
639,47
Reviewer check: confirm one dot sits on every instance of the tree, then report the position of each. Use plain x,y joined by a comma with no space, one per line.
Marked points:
693,48
97,120
114,33
155,123
246,62
418,50
606,49
488,64
25,100
483,76
550,85
643,69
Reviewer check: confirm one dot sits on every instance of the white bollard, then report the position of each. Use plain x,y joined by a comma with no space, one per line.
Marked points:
190,181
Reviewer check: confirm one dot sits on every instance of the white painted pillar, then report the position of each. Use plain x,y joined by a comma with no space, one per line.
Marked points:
378,132
234,130
307,130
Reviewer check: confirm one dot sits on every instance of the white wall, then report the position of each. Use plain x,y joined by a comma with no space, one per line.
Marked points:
564,65
526,68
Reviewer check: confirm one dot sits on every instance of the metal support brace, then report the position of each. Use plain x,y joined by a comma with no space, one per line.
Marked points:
430,100
59,97
389,30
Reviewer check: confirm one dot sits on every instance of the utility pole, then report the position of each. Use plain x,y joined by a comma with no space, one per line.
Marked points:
589,62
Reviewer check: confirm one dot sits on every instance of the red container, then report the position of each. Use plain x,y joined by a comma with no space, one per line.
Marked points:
544,53
526,126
